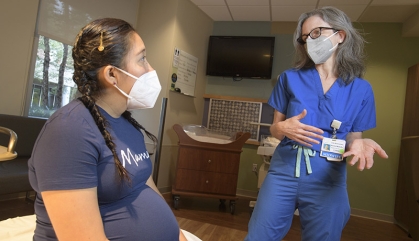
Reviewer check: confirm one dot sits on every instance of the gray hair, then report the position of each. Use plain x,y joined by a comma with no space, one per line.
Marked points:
349,62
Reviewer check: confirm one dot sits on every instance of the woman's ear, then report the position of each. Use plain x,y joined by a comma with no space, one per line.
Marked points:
342,36
108,74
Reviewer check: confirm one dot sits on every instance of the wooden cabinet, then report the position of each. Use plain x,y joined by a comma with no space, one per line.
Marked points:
410,128
207,169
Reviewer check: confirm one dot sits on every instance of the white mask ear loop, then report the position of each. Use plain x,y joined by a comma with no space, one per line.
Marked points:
334,47
130,75
330,37
122,92
125,72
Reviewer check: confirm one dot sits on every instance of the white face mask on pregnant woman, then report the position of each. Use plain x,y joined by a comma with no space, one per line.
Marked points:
144,92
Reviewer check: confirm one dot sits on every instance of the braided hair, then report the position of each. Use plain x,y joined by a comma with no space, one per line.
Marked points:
100,43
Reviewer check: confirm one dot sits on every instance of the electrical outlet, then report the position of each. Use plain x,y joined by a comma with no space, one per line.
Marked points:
254,167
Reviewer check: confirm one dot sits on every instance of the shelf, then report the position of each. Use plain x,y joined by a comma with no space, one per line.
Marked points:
179,93
223,97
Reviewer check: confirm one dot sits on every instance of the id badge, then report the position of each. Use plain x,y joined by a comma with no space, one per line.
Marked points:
332,149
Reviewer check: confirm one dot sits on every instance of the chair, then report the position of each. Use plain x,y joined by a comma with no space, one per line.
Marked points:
8,153
410,165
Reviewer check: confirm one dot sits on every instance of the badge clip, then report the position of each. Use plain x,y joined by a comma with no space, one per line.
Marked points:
335,125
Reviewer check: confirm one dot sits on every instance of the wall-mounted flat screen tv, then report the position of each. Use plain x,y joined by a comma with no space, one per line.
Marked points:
240,56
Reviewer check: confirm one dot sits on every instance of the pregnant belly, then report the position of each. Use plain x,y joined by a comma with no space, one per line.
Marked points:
143,216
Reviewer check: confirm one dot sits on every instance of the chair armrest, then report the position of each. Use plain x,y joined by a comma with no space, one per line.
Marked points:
10,152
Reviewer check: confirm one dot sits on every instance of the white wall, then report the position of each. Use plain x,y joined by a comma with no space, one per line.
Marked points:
18,19
164,25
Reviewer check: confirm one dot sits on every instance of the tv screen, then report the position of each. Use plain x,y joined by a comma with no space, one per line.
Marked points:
240,56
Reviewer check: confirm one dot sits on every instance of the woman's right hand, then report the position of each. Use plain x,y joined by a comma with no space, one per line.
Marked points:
295,130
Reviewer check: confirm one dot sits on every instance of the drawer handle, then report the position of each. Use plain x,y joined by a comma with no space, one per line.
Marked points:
209,161
206,181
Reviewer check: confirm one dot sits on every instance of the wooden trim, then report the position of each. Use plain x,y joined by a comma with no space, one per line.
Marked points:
205,195
246,193
251,142
372,215
223,97
409,137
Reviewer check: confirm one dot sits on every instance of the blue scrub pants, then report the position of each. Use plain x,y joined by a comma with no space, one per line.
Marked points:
321,198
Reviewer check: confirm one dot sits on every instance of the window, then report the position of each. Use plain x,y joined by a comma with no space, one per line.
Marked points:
50,84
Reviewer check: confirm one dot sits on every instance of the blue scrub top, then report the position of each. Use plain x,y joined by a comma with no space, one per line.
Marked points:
351,104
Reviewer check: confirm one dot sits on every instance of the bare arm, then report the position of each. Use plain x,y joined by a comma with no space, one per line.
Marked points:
75,214
362,150
294,129
351,137
274,129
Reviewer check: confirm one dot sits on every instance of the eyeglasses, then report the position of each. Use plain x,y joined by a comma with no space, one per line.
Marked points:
315,33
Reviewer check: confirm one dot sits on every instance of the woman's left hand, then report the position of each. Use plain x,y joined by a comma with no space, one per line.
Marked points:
362,151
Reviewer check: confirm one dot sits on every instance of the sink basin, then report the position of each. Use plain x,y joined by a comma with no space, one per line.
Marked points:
266,150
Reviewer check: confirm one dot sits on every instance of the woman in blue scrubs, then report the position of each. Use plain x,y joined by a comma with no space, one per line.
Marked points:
323,101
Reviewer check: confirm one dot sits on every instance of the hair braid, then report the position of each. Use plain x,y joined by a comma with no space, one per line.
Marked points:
113,38
127,115
102,123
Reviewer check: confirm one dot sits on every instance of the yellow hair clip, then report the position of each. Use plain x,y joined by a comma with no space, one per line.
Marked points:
101,48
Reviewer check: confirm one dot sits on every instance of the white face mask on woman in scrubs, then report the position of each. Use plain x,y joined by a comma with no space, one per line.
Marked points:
320,49
144,92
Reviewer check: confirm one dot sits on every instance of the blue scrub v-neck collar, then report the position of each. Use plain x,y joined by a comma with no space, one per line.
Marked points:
319,86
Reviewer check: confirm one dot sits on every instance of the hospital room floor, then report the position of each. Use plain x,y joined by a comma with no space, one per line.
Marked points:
204,218
206,211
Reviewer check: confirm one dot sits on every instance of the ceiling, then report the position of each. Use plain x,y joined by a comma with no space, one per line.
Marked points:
378,11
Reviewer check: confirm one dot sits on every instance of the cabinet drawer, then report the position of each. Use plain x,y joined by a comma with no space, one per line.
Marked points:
208,160
206,182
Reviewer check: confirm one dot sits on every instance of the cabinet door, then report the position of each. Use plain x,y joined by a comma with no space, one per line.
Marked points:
208,160
411,113
410,128
206,182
